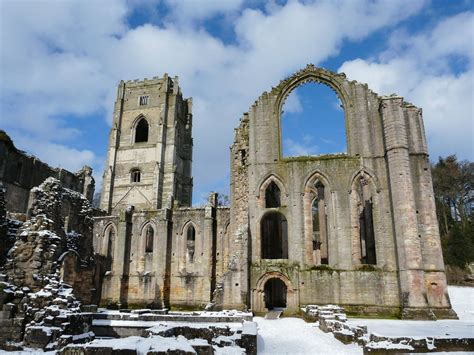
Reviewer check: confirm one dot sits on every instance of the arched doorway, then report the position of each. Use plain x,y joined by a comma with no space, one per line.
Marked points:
275,293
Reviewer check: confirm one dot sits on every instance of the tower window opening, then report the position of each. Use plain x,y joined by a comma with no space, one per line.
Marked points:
143,101
135,175
141,131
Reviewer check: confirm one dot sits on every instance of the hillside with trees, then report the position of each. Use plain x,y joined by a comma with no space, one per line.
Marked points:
453,183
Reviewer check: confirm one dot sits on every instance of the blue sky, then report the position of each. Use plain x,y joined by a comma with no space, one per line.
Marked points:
60,62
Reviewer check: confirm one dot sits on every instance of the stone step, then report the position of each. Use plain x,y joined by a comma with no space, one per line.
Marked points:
273,314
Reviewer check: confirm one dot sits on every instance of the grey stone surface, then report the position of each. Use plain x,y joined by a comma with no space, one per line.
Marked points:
386,166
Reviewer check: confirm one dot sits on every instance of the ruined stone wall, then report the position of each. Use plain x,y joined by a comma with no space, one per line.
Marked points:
57,235
20,172
165,276
386,148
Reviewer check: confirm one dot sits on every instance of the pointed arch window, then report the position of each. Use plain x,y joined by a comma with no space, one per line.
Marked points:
272,196
190,243
110,242
366,223
319,219
141,131
149,236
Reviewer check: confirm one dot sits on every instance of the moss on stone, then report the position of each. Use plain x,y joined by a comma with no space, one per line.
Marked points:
368,267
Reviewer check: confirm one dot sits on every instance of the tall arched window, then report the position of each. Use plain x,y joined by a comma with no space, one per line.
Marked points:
366,223
149,236
319,218
141,131
190,243
312,122
272,195
110,242
274,236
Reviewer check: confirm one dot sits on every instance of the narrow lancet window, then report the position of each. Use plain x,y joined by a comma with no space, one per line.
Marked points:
190,244
149,236
141,131
274,236
272,196
366,224
110,243
319,218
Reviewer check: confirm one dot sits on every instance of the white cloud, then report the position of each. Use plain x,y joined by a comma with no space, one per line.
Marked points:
193,10
295,149
422,70
58,155
293,103
66,58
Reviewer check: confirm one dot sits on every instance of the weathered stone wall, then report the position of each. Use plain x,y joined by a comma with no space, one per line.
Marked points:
386,148
20,172
385,167
166,275
164,159
57,236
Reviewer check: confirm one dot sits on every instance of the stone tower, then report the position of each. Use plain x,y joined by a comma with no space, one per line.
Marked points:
150,147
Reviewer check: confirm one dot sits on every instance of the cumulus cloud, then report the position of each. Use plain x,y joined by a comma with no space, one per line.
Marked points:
295,149
64,59
293,103
422,70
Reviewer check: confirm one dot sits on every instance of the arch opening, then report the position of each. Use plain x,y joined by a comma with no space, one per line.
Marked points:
109,246
312,122
149,236
275,292
319,219
366,223
190,243
274,236
141,131
272,196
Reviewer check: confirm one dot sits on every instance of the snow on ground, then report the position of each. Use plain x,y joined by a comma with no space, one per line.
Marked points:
462,300
295,336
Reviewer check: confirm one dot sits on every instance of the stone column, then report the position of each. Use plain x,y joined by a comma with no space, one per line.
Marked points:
210,236
410,261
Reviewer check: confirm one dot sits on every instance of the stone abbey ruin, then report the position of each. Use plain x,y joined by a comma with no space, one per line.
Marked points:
357,230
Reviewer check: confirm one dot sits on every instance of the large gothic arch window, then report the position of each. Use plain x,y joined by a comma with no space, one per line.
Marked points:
141,131
274,236
312,122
